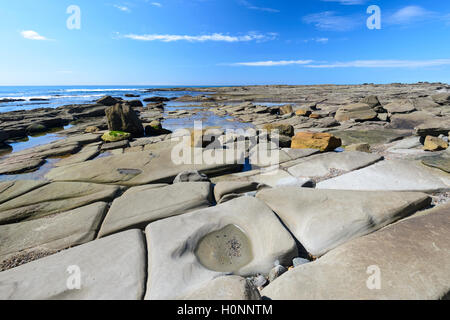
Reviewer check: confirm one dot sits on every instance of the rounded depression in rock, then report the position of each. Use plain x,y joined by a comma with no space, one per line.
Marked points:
224,250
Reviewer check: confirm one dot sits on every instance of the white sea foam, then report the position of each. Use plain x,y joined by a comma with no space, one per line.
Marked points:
101,90
52,97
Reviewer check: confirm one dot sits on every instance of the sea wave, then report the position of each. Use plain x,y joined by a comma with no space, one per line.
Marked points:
28,98
102,90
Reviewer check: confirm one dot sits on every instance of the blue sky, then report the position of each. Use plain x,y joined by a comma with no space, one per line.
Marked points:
223,42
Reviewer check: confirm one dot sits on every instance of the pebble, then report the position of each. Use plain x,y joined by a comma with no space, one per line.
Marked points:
299,261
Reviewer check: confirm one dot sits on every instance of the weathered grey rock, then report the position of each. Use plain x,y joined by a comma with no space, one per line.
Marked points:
394,175
115,145
242,237
296,262
223,188
425,104
369,136
409,267
324,219
82,139
259,281
138,168
85,154
295,154
400,106
111,268
433,127
441,161
139,206
226,288
12,165
357,112
442,98
321,165
54,198
52,233
270,176
409,120
278,177
404,144
372,101
13,189
276,272
121,117
361,147
190,176
32,158
268,154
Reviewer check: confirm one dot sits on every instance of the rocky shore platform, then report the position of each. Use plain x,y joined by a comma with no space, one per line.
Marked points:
336,192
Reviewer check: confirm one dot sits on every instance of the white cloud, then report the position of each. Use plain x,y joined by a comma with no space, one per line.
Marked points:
249,5
122,8
384,64
347,2
330,21
202,38
272,63
32,35
318,40
409,14
156,4
349,64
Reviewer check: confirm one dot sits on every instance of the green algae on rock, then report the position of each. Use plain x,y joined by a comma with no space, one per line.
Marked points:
114,136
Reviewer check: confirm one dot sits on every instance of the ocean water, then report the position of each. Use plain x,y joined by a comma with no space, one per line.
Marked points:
55,96
34,97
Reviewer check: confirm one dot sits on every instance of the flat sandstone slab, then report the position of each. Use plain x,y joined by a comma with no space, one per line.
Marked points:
111,268
411,257
320,165
52,233
12,189
324,219
393,175
241,237
54,198
138,168
139,206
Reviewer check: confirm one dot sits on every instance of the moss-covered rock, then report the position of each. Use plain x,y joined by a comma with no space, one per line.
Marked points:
113,136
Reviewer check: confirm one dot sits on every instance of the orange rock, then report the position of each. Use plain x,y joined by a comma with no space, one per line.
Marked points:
303,112
287,109
434,144
314,116
310,140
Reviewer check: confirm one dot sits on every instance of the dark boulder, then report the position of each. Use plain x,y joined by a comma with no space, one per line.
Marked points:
134,103
108,101
122,117
36,128
156,99
3,136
